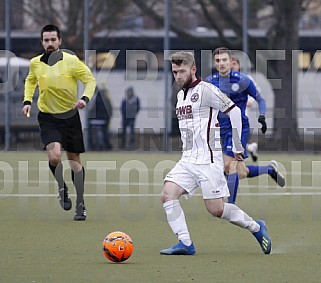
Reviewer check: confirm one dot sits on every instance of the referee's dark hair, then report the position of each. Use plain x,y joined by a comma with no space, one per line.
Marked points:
49,28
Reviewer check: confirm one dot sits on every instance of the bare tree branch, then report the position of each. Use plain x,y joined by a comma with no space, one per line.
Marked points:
213,23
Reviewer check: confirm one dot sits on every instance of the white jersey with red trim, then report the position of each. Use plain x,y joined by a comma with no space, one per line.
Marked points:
196,109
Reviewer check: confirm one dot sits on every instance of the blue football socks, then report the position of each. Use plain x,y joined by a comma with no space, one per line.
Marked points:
255,170
232,184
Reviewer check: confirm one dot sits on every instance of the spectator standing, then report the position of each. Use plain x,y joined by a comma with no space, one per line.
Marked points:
99,117
130,107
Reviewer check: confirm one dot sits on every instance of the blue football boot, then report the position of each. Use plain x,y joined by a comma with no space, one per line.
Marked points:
179,249
263,238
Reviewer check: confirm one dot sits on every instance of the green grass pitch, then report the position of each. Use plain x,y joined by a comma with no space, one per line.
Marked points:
41,243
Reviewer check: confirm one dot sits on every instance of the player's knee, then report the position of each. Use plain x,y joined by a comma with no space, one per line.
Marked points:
215,210
55,160
242,170
75,165
54,157
164,197
226,168
242,175
170,191
230,166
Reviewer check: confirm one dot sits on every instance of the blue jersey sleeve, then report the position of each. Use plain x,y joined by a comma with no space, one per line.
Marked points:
253,91
208,79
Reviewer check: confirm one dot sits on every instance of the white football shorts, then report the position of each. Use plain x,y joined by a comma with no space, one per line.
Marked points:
208,177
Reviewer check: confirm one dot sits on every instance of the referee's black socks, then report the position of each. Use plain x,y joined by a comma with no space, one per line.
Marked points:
58,174
78,179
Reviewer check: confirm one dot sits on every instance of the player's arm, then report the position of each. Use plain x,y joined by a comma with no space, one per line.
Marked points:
208,79
253,92
83,73
236,121
224,104
30,86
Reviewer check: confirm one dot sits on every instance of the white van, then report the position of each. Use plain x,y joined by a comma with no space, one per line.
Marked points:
14,87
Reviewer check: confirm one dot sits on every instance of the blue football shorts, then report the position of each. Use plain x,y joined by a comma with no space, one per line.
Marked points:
226,140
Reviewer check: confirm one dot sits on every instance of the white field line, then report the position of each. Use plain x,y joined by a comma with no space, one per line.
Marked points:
38,182
157,195
15,168
313,189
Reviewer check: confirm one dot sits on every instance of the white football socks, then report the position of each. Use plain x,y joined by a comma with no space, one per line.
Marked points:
176,220
238,217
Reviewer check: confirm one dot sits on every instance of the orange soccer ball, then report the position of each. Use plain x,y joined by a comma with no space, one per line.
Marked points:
118,246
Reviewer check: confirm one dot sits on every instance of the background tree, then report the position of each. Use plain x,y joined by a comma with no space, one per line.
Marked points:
280,20
282,24
69,16
283,35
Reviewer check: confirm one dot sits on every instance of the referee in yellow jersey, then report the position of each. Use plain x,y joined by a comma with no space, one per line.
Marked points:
56,73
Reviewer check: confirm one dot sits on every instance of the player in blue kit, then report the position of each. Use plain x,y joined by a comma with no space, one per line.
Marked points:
251,147
238,86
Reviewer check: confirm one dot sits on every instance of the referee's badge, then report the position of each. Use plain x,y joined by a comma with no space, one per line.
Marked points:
235,87
195,97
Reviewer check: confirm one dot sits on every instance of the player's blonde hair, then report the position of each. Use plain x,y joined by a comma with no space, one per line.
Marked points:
182,57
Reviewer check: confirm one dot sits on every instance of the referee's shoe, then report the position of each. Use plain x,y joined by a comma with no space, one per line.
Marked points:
64,200
81,212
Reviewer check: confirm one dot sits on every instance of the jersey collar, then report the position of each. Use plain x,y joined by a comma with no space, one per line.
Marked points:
52,58
193,84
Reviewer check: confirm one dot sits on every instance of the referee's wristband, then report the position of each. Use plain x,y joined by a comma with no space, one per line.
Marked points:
26,103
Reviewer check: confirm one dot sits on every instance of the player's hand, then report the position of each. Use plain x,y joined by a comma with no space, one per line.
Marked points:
80,104
261,120
238,151
239,156
26,110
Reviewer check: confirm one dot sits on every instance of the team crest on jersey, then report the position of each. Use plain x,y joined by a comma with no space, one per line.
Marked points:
235,87
195,97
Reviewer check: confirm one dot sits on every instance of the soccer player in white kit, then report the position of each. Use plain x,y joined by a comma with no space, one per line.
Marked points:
201,164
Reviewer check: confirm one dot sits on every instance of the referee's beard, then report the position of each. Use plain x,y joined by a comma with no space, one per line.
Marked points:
50,50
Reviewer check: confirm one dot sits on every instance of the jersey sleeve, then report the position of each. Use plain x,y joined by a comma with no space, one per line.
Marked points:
30,84
215,98
83,73
254,92
208,79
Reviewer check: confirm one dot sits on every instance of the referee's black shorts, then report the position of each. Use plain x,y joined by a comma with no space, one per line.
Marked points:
64,128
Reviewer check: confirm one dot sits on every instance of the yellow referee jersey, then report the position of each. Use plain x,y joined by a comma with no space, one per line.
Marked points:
58,82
